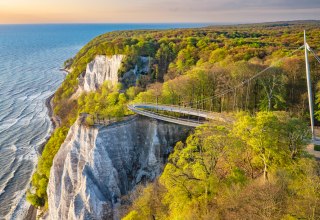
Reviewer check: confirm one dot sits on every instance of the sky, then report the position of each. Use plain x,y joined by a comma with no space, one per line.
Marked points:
156,11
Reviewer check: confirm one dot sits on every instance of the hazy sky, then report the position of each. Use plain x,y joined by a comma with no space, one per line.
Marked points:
111,11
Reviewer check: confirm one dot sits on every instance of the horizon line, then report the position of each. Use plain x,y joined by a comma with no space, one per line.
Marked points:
173,22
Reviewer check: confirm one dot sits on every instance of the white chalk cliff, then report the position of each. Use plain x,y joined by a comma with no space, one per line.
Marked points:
106,68
101,69
95,166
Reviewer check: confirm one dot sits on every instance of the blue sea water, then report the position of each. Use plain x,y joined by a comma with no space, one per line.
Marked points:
30,57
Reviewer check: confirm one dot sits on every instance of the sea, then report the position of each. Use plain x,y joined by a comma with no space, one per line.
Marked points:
30,59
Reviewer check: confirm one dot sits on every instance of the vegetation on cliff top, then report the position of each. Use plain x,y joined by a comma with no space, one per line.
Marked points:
253,169
105,102
188,65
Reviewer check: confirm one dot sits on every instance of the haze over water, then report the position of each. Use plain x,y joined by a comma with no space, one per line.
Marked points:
30,57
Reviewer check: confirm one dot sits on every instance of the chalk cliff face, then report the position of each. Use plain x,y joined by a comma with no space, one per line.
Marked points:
96,165
101,69
129,78
104,68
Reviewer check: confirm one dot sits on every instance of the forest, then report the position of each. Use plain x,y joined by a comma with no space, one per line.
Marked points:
255,168
190,65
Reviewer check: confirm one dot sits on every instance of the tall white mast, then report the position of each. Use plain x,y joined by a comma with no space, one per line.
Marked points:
306,47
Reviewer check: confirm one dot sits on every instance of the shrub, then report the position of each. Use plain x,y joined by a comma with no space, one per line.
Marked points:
317,147
89,121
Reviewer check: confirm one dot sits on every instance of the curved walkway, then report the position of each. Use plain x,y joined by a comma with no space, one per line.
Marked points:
142,109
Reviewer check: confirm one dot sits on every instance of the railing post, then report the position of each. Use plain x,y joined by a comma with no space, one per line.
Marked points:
157,103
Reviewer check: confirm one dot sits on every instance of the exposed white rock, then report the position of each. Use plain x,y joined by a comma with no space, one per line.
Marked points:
101,69
104,68
145,64
95,166
129,78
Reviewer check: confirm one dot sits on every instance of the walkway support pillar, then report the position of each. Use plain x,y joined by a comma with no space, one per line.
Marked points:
310,97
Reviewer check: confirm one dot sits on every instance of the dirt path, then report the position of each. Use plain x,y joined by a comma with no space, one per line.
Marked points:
310,150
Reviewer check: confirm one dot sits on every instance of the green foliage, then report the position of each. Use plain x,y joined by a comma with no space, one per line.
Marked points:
132,216
180,51
37,196
164,56
105,103
219,173
271,139
186,58
89,121
274,88
218,55
132,92
34,199
316,147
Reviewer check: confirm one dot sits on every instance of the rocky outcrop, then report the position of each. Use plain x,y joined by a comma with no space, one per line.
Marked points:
95,166
101,69
141,68
104,68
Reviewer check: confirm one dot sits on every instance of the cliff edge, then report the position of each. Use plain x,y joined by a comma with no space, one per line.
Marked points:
95,166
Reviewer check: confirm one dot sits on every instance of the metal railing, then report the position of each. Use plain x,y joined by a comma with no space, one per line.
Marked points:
183,110
140,108
145,109
162,117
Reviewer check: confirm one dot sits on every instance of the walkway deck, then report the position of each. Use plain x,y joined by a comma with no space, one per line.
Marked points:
143,109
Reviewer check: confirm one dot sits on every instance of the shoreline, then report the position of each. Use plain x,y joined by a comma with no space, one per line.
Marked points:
32,211
50,113
65,70
54,120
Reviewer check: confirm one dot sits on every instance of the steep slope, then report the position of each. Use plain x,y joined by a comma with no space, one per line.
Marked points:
101,69
106,68
96,165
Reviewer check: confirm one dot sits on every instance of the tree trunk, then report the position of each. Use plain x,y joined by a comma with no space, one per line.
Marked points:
265,173
269,101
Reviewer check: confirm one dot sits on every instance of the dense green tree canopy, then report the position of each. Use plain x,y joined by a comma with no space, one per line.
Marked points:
242,171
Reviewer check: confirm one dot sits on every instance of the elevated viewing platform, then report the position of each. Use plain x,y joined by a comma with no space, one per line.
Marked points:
146,109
